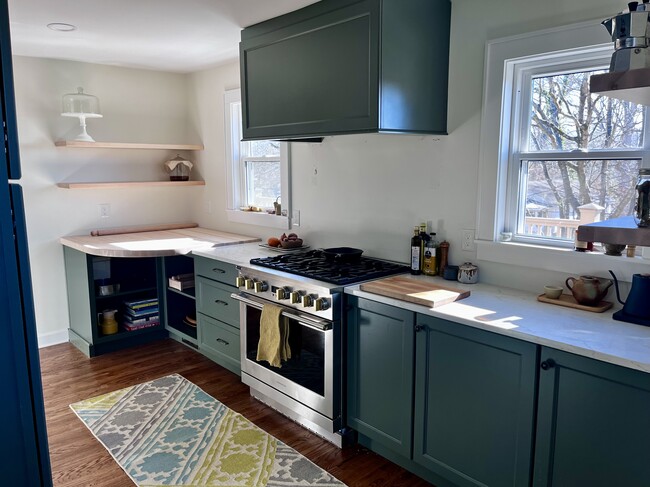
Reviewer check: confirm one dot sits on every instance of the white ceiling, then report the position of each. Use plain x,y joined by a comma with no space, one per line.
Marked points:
168,35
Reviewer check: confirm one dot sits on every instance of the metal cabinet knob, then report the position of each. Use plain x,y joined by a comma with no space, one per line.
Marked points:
322,304
547,364
249,283
260,286
419,328
240,281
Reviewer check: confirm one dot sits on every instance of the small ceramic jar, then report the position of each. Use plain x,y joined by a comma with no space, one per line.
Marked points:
468,273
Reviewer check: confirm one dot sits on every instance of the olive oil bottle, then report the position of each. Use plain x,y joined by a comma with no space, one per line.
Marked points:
416,252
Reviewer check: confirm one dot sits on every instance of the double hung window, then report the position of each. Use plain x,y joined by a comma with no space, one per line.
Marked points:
257,172
573,156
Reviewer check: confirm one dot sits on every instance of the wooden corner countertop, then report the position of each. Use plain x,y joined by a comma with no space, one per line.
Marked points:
154,244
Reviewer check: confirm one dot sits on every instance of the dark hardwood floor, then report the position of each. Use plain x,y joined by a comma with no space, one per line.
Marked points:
79,460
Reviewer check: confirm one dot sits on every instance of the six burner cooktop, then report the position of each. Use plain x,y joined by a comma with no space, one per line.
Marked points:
315,265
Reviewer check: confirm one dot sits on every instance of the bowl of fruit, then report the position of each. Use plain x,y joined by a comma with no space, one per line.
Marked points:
291,241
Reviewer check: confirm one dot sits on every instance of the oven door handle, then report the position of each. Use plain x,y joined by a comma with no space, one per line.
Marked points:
318,324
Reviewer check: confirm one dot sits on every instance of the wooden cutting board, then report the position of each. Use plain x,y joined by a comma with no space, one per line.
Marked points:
414,291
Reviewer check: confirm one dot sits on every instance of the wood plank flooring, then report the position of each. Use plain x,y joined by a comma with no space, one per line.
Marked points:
79,460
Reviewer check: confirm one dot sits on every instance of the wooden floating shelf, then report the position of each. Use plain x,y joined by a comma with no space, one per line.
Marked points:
128,184
125,145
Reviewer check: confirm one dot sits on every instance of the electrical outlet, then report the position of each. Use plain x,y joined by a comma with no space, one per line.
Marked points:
468,240
295,218
105,210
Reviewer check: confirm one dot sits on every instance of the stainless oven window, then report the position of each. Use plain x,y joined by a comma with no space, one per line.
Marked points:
307,364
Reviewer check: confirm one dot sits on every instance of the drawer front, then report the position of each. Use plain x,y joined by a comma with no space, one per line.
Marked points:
213,300
215,270
219,342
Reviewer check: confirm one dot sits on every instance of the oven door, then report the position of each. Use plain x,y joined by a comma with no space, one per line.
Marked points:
309,376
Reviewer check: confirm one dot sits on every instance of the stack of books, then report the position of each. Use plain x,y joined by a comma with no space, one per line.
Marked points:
182,281
140,314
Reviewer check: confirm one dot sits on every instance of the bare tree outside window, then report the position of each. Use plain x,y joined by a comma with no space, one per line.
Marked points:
565,118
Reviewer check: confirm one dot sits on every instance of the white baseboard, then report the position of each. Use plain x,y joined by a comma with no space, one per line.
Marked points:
52,338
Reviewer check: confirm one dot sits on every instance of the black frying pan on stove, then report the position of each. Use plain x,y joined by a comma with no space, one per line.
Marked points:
343,254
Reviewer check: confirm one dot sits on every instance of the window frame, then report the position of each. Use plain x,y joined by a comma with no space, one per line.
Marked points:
518,76
496,255
235,171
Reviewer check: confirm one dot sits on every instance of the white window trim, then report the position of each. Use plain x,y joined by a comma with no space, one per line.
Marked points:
230,98
493,148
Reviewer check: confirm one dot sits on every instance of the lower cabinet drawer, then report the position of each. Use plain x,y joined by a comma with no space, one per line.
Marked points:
219,342
214,269
213,299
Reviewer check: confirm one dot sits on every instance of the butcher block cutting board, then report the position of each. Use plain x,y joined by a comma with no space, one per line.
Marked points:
414,291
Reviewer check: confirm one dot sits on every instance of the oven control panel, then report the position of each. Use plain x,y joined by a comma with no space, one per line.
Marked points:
297,295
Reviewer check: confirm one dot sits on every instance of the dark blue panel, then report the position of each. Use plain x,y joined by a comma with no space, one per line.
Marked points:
7,102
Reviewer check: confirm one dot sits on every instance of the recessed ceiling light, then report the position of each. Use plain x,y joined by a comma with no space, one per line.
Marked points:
61,27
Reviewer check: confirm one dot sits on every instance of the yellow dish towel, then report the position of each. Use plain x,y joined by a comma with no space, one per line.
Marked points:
273,346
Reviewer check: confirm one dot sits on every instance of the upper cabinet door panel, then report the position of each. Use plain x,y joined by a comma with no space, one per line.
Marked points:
318,76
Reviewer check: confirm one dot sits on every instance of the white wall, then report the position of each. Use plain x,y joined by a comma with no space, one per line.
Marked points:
138,106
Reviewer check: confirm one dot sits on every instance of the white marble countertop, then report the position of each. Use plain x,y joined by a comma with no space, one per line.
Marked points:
510,312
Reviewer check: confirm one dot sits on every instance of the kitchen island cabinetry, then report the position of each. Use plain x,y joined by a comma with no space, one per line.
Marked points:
593,423
137,279
218,313
439,398
348,75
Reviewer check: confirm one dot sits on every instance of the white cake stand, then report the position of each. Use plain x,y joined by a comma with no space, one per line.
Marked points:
83,136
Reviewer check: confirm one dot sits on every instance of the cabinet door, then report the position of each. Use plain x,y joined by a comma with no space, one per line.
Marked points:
315,76
474,404
593,424
380,373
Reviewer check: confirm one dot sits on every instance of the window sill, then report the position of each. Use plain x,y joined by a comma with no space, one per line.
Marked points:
561,260
259,219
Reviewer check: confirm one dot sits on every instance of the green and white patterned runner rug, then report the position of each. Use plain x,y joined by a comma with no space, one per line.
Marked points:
169,432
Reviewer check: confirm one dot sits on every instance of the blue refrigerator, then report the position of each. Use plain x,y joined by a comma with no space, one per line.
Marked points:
24,458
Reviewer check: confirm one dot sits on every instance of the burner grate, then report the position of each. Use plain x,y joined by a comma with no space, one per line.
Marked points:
314,265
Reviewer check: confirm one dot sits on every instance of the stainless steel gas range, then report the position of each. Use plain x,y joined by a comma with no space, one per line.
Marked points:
308,286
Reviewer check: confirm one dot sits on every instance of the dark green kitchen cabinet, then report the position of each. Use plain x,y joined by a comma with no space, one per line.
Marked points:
451,403
380,374
347,66
474,404
593,425
138,278
218,313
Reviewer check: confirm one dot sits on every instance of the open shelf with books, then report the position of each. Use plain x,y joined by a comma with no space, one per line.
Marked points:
180,301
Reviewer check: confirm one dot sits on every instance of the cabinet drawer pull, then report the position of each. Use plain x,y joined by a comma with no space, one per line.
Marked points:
221,340
221,301
220,271
547,364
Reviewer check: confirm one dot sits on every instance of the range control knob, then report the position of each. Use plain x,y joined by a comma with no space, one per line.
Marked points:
249,283
282,293
295,296
321,304
260,286
307,301
240,281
